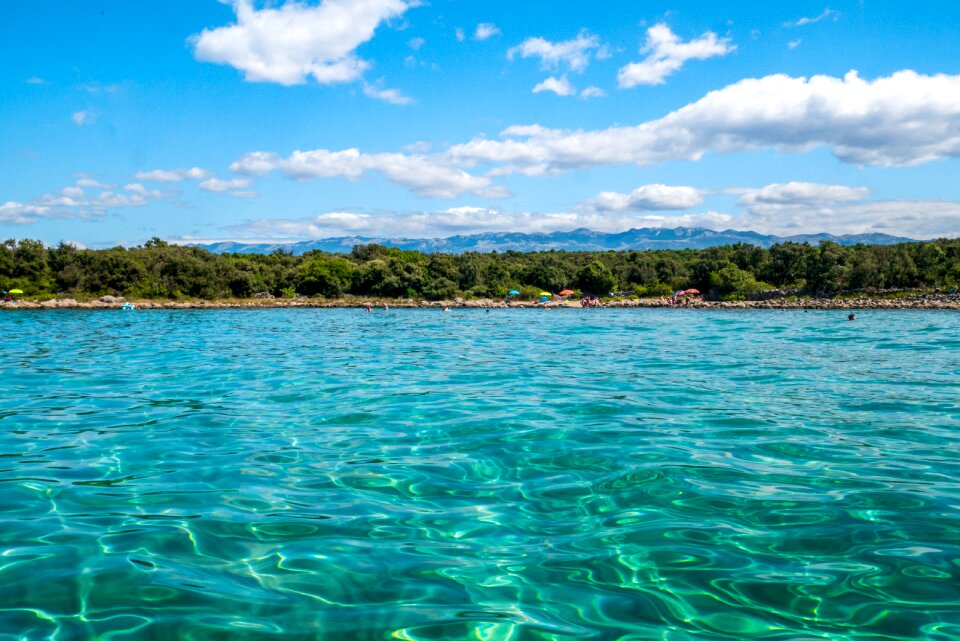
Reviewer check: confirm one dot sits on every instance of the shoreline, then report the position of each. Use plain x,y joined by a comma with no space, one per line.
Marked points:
923,302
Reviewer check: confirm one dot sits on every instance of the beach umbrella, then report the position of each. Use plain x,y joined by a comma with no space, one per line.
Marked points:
15,291
547,294
692,291
513,292
566,292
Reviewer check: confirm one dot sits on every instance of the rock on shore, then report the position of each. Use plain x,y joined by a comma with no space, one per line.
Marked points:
922,301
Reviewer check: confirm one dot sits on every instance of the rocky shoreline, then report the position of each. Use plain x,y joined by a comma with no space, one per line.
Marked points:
922,301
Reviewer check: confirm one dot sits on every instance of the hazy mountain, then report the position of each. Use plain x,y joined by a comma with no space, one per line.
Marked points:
576,240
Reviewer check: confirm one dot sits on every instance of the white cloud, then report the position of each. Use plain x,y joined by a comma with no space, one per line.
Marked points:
486,30
15,213
73,201
90,182
826,13
392,96
460,220
295,41
419,147
902,119
173,175
425,176
574,54
793,44
36,80
667,54
137,188
802,207
592,92
256,163
81,118
458,32
219,186
919,219
646,198
911,219
416,43
560,86
803,194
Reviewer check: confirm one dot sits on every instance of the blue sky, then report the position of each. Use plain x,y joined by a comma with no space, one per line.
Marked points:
199,119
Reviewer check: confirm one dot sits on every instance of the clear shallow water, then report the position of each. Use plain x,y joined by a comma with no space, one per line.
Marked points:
592,474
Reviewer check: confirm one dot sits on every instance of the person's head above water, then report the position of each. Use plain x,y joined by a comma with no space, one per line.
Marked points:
851,317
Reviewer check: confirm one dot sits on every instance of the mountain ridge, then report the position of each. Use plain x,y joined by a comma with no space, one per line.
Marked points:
576,240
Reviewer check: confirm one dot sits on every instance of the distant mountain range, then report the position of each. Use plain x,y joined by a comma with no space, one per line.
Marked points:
576,240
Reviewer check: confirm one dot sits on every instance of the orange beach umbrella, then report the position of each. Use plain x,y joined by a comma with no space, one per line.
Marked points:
566,292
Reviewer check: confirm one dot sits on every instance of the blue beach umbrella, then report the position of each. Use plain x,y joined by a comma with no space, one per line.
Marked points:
513,292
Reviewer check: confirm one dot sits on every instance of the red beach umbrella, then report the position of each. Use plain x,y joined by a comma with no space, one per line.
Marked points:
692,291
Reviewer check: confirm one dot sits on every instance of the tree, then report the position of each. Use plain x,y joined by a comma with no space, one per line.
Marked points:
330,277
596,278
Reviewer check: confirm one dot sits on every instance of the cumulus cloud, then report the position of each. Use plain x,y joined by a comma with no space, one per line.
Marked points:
416,43
76,201
256,163
646,198
911,219
392,96
560,86
81,118
461,36
592,92
137,188
902,119
801,194
17,213
486,30
295,41
90,182
918,219
803,207
219,186
460,220
826,13
173,175
573,54
667,53
425,176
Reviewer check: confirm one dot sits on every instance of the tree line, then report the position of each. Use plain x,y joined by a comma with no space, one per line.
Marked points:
158,270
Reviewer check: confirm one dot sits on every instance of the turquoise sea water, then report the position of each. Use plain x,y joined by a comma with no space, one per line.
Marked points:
514,474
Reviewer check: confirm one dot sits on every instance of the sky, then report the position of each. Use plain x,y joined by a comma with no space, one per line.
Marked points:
201,120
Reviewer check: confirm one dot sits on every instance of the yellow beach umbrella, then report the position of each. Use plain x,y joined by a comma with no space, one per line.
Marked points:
15,291
547,294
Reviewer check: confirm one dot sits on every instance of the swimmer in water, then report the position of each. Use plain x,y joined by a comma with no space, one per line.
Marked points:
852,317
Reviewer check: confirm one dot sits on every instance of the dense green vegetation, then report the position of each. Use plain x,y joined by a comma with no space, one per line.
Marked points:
159,270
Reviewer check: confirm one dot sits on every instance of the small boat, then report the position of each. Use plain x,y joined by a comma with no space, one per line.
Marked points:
128,307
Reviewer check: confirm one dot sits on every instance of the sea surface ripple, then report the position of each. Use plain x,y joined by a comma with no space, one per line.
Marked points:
512,474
